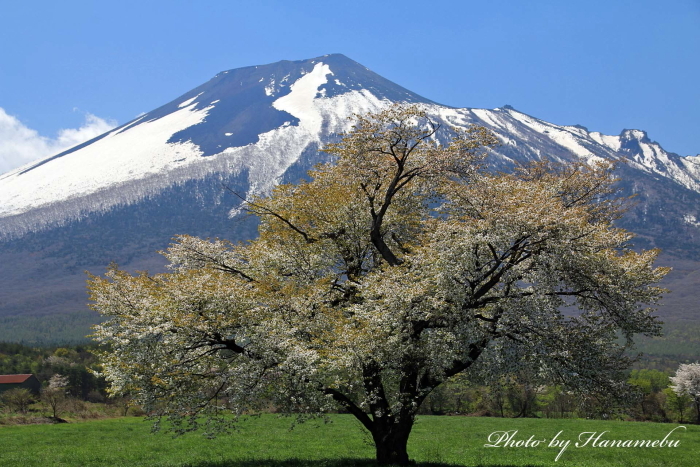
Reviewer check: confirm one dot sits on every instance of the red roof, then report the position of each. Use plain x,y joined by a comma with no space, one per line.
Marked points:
13,379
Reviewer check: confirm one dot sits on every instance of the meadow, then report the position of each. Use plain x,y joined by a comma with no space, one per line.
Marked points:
268,441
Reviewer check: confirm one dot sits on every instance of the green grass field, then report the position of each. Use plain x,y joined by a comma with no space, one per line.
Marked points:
268,442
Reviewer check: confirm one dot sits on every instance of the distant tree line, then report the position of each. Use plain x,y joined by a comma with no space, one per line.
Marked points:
72,362
652,396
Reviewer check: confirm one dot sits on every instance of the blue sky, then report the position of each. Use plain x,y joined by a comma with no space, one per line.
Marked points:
69,69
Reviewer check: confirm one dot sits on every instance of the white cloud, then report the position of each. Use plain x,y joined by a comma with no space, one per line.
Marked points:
21,145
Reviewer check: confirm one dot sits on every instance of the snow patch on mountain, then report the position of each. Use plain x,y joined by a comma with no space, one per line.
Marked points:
190,101
487,117
613,142
119,157
270,88
300,101
561,135
692,165
691,220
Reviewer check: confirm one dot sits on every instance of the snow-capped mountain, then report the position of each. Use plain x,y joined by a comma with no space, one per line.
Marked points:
125,193
257,120
260,121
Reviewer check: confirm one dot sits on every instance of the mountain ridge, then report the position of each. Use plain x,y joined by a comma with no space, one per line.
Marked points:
123,195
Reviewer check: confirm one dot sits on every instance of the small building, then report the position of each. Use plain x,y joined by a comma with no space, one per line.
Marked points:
30,382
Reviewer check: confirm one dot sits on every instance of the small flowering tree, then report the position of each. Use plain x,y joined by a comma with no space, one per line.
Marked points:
54,395
395,268
687,383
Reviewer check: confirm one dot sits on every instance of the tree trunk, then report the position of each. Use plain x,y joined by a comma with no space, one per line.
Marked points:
390,440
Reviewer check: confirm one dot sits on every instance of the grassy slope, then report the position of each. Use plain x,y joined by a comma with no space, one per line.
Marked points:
269,442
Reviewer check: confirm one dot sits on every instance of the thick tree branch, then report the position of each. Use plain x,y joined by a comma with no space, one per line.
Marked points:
344,401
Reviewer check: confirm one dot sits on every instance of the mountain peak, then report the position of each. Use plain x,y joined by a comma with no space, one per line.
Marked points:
638,135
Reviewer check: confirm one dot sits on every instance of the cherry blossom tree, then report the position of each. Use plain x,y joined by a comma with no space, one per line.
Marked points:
54,395
399,265
687,383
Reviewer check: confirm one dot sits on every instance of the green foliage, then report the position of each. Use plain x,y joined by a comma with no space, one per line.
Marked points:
17,399
678,404
649,381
